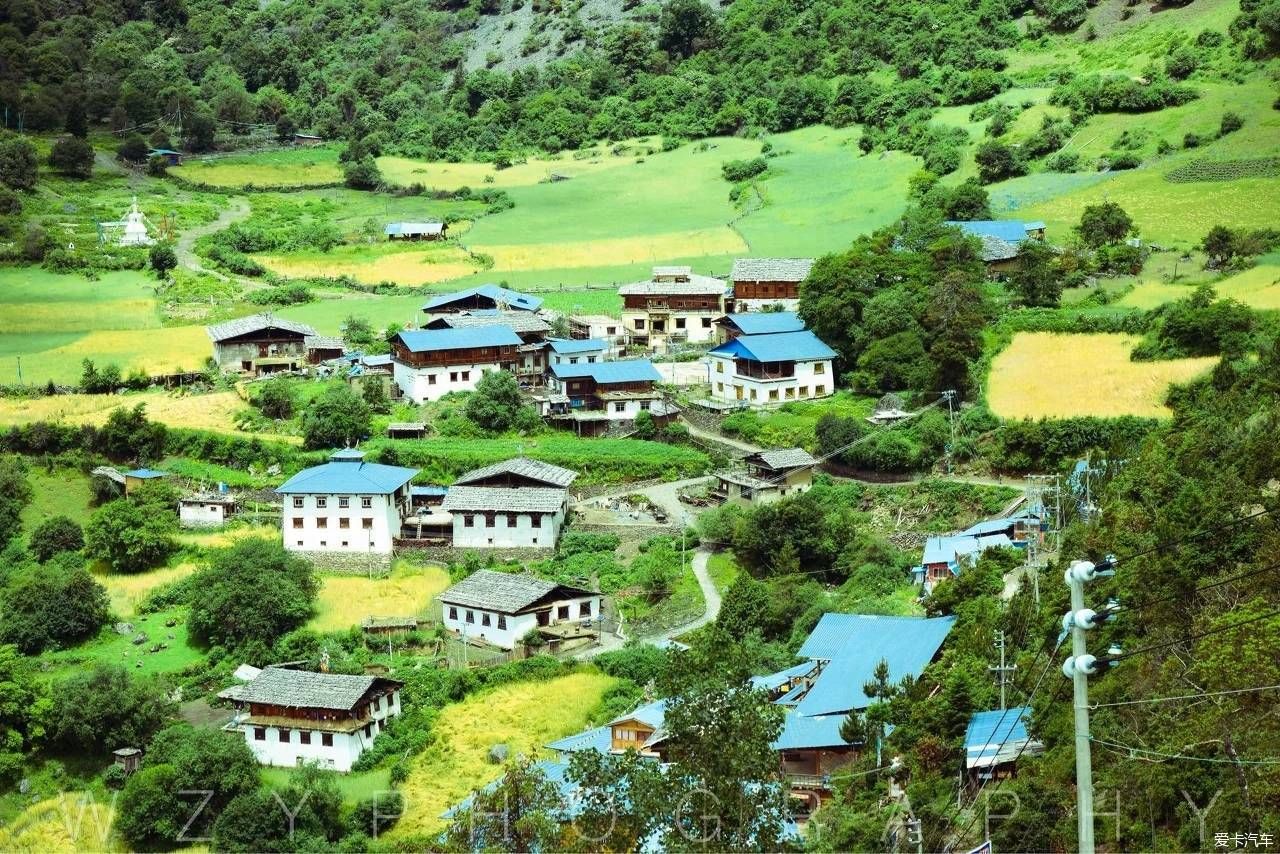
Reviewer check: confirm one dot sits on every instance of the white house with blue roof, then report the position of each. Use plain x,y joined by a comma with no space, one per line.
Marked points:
605,391
758,323
576,351
946,557
1001,239
346,506
429,363
770,369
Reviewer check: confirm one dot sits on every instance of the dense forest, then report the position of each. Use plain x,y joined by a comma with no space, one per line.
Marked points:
391,73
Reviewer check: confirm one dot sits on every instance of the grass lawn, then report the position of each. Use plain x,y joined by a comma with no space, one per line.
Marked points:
112,648
1258,287
723,569
534,170
525,716
793,424
214,411
1050,375
224,537
355,787
126,591
346,600
288,167
62,492
402,263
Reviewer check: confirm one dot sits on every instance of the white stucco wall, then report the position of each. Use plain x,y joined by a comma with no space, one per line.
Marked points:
812,380
699,326
470,621
343,753
416,384
586,357
201,515
740,305
310,537
510,530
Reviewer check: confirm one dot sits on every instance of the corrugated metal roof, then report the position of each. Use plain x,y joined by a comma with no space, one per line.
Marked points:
523,467
347,474
1009,230
622,371
255,323
488,335
949,549
524,499
513,299
855,644
765,322
599,739
801,346
773,680
304,689
428,490
565,346
771,269
146,474
990,526
410,228
800,732
650,714
996,736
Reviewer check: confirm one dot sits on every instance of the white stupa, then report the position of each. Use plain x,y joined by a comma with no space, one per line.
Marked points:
135,228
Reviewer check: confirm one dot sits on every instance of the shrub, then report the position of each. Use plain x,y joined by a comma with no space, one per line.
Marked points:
997,161
337,417
362,174
1191,140
1231,122
133,150
130,536
18,166
1063,161
99,709
743,170
53,536
163,258
251,594
59,603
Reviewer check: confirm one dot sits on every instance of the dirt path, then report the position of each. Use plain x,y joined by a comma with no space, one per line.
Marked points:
237,210
708,436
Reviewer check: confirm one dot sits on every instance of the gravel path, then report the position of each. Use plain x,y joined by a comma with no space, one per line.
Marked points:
237,210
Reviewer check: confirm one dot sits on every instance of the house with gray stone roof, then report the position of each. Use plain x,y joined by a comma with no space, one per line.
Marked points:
501,608
292,717
517,503
260,344
768,476
761,283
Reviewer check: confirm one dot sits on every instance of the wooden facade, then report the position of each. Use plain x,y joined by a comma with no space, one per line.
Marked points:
506,355
766,290
673,302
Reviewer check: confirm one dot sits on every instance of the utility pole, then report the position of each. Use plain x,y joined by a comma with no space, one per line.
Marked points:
949,396
1002,670
915,836
1078,668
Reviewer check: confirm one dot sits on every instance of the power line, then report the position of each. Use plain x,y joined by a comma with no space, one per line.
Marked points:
1117,747
1186,696
1176,641
1203,531
1193,591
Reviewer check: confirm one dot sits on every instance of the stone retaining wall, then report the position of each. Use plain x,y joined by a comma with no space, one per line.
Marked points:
348,564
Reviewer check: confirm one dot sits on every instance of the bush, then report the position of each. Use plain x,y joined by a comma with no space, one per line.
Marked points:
130,536
1062,15
133,150
100,709
336,418
1063,161
1231,122
163,258
57,604
362,174
291,294
72,156
1191,140
250,595
53,536
1121,160
997,161
18,166
743,170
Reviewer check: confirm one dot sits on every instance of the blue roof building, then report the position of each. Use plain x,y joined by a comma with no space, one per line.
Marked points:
770,368
482,297
146,474
346,506
347,473
761,323
801,346
609,373
945,557
995,739
574,346
465,338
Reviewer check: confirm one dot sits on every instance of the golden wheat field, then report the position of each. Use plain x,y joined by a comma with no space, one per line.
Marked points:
525,716
60,824
1051,375
614,251
1257,287
376,264
346,600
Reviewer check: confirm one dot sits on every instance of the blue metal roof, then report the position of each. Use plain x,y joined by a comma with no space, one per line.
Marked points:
801,346
427,340
997,735
990,526
652,714
623,371
773,680
498,294
1034,225
395,228
949,549
428,490
348,475
766,322
599,739
1009,230
805,733
146,474
576,345
855,644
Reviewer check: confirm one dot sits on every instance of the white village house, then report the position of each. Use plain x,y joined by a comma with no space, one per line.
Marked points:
518,503
427,364
345,505
291,717
675,306
575,351
500,608
205,509
770,369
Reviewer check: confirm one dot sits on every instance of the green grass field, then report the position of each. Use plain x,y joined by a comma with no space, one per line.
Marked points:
61,492
1258,287
345,600
355,787
112,648
289,167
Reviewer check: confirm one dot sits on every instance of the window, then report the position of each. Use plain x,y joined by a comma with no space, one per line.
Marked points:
639,324
453,612
466,375
326,739
259,734
645,404
377,704
659,325
286,736
366,523
344,522
719,386
562,613
324,543
304,736
344,544
321,501
706,323
773,394
753,394
679,323
431,379
619,406
344,502
297,522
299,543
719,367
468,521
791,393
584,609
366,502
368,730
819,367
804,391
535,520
573,360
297,501
322,522
819,389
591,360
485,621
471,617
502,621
611,330
453,376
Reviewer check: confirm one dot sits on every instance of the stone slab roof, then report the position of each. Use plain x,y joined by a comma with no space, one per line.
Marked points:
506,592
255,323
524,499
785,458
304,689
524,467
771,269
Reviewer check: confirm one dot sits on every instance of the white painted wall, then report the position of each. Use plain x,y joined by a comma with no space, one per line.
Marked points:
695,329
471,621
812,380
418,386
586,357
762,304
301,525
201,515
510,530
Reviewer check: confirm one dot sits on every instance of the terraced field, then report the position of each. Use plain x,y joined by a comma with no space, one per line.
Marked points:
1258,287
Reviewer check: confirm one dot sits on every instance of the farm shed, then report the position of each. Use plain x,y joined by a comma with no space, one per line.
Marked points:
260,344
416,230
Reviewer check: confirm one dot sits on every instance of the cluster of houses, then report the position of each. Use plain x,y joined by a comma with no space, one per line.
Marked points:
818,695
948,555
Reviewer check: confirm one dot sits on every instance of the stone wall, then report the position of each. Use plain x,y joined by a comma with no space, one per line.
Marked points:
346,563
451,554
